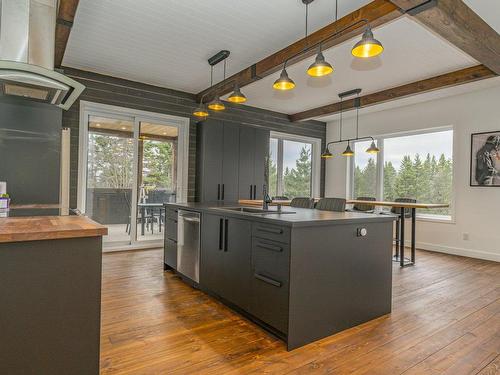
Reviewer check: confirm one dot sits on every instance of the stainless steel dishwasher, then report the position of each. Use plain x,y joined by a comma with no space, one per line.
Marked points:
188,244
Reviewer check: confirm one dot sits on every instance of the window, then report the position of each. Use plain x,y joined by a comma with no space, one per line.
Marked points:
418,166
365,171
293,166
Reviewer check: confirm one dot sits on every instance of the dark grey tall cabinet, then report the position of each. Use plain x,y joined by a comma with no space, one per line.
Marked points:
231,161
254,150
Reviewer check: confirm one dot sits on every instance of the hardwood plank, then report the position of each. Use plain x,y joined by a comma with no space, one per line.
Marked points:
376,13
451,79
153,323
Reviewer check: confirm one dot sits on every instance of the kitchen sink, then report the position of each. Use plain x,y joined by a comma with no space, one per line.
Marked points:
255,210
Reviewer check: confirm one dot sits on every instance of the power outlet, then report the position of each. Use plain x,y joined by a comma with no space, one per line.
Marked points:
465,236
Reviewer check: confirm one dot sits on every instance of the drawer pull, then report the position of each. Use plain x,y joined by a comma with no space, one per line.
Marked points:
267,280
266,246
271,230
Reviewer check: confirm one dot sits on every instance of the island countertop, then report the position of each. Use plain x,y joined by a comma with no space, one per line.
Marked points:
35,228
299,218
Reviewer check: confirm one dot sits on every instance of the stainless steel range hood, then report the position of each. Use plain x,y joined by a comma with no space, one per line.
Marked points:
27,42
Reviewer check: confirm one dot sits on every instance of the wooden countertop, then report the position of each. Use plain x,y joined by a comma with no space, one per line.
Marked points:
258,202
35,228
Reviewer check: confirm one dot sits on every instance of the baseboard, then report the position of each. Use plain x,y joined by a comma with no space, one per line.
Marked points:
456,251
130,248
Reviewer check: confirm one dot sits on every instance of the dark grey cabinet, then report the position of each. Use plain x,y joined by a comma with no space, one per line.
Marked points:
254,150
218,144
170,240
231,161
229,189
210,153
270,275
225,258
170,253
212,245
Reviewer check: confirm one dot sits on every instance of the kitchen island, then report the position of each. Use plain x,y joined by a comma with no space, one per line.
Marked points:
50,292
302,274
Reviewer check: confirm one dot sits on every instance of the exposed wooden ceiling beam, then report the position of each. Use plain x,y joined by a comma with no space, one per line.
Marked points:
64,22
456,78
454,21
376,13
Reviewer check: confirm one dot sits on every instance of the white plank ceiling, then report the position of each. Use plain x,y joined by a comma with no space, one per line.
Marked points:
167,42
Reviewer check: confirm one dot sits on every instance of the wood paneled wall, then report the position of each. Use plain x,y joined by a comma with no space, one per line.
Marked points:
124,93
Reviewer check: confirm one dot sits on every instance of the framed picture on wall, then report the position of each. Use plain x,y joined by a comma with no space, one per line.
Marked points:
485,159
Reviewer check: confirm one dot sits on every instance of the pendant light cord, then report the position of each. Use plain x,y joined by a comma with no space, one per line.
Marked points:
336,13
307,17
357,116
341,119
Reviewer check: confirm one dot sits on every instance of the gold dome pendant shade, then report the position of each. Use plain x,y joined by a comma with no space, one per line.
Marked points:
201,111
368,46
326,154
320,67
284,83
216,105
348,151
237,96
373,149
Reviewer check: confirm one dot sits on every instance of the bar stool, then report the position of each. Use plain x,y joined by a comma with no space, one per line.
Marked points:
331,204
302,202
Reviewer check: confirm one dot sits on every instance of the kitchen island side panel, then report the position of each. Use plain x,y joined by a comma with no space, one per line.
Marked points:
50,304
338,278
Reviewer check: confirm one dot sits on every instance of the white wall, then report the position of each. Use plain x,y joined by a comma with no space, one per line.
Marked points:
477,210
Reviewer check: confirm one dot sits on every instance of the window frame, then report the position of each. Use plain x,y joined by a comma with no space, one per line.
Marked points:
315,160
380,170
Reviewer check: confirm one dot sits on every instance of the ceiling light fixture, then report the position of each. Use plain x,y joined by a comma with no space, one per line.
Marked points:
320,67
284,83
373,149
237,96
216,104
368,46
348,151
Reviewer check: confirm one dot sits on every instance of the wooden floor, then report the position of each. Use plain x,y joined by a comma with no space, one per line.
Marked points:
445,320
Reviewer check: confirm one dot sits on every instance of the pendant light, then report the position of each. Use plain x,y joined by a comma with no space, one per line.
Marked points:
284,83
216,104
237,96
368,46
326,154
201,111
373,149
320,67
348,151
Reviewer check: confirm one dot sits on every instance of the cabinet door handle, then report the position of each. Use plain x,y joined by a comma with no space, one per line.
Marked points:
267,246
255,192
223,191
218,192
251,193
270,230
225,234
221,221
267,280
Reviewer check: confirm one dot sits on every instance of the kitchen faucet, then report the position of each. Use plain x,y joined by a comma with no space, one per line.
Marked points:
267,199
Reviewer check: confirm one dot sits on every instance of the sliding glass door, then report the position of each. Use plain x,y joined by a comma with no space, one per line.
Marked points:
130,164
157,177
